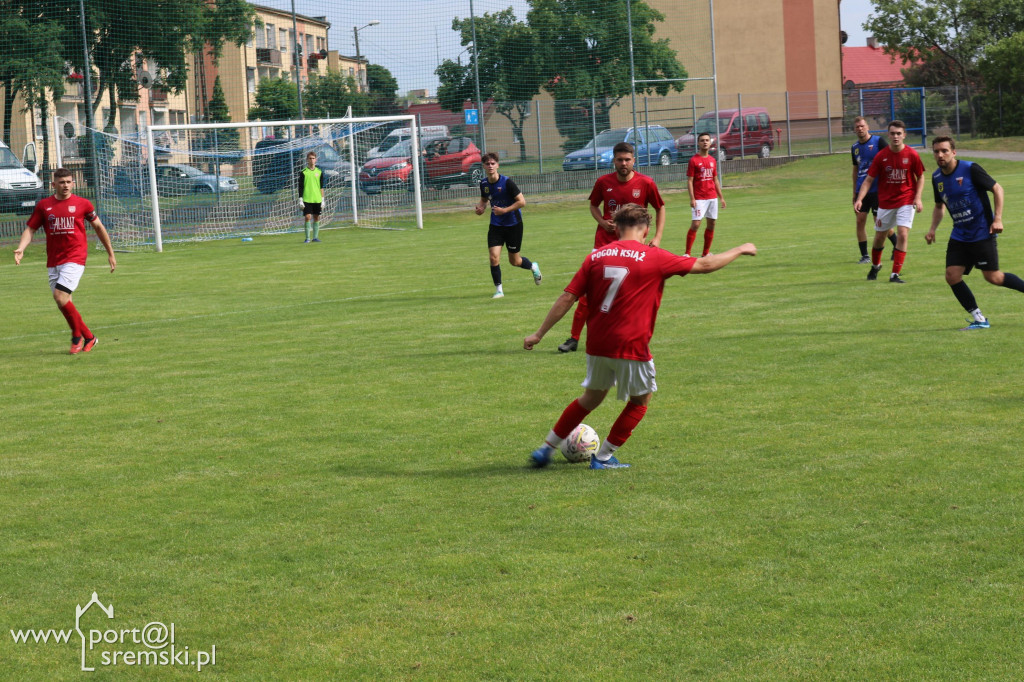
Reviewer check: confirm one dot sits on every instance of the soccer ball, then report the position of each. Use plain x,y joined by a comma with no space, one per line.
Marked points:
581,444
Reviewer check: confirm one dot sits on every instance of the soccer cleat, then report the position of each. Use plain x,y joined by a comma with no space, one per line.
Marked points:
314,239
498,294
610,463
895,278
541,457
537,277
569,346
306,242
864,260
873,272
76,345
89,343
974,324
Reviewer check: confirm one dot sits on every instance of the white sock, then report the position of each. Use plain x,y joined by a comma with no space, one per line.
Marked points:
976,314
606,451
498,290
553,441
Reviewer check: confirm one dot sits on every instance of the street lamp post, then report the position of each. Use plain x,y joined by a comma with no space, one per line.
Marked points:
355,33
295,59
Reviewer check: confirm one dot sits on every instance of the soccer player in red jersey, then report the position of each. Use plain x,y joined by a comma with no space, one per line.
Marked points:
624,186
63,217
625,280
899,171
705,188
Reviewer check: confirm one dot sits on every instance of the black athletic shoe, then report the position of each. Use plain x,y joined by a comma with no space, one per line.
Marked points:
873,273
569,346
895,278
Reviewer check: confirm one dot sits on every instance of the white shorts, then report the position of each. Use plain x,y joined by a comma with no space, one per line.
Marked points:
705,208
65,274
633,377
889,218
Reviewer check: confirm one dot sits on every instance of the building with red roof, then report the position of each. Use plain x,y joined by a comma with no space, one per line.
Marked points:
871,67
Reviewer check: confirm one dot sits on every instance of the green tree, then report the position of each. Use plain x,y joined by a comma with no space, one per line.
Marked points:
1001,109
510,72
583,49
953,31
25,69
330,96
382,88
276,100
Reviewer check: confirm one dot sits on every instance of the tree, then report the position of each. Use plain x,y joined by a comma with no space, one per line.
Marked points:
510,73
25,69
1002,108
956,31
276,100
331,95
382,88
584,50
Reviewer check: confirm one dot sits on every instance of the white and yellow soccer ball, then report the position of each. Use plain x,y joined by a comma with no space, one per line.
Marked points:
581,444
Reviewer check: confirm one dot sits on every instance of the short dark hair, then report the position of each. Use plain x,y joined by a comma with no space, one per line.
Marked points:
490,156
631,215
858,119
944,138
62,173
896,123
310,153
708,135
623,148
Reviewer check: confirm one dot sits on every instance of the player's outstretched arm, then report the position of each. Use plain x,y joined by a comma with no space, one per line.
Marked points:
101,233
562,305
26,239
717,261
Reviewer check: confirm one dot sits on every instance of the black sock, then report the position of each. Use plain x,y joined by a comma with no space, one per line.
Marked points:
964,295
527,264
1012,281
496,274
892,238
863,249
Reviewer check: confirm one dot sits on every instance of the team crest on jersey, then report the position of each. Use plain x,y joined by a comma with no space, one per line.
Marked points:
940,187
487,189
906,161
636,193
856,151
71,209
960,182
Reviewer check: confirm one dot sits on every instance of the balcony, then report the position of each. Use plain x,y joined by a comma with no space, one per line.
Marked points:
268,57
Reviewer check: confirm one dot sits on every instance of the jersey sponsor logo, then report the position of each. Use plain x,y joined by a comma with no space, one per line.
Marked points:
607,189
895,175
612,205
636,255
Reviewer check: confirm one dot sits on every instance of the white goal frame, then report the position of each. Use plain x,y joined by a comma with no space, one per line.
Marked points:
409,119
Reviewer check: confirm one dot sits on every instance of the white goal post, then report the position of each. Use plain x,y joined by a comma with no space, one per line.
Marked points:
246,201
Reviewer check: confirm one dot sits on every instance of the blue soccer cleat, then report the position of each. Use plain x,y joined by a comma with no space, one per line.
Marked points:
537,277
974,324
541,457
610,463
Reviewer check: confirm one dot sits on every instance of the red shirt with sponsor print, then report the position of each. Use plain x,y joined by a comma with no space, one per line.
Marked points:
896,172
703,169
64,223
624,281
639,189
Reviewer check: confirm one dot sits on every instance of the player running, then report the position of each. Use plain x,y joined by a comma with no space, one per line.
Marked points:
506,221
705,188
624,186
63,217
625,280
863,152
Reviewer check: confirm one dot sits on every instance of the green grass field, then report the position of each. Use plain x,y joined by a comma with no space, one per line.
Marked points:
313,457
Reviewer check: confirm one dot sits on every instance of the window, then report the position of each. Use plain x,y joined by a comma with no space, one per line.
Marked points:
271,37
250,79
751,123
282,35
261,36
765,122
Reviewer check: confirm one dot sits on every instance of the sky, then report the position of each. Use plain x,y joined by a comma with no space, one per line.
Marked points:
427,24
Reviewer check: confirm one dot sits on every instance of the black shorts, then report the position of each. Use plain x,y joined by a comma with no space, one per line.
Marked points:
983,254
870,203
311,209
510,237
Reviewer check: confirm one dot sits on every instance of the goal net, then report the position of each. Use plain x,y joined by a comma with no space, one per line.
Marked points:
195,182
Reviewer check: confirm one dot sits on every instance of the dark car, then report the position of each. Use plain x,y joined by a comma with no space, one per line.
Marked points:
446,161
654,145
278,160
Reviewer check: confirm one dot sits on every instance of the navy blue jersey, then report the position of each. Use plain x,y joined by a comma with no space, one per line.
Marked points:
965,194
501,193
863,154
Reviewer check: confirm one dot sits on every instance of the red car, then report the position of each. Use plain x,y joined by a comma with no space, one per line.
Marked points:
446,161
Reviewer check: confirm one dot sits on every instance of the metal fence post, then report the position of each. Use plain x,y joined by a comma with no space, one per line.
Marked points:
789,129
828,118
924,118
593,126
647,131
739,116
540,147
956,100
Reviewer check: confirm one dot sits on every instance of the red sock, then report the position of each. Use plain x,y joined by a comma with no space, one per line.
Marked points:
579,318
876,257
897,260
623,427
75,321
691,237
708,236
572,416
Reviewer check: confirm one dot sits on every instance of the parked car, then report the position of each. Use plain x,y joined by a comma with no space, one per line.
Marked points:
277,162
446,161
336,168
401,135
20,187
757,136
654,146
177,179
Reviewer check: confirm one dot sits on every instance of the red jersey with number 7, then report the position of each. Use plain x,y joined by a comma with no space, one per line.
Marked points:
639,189
624,281
64,223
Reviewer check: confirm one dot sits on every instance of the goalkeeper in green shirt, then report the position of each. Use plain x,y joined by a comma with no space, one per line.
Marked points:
311,191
